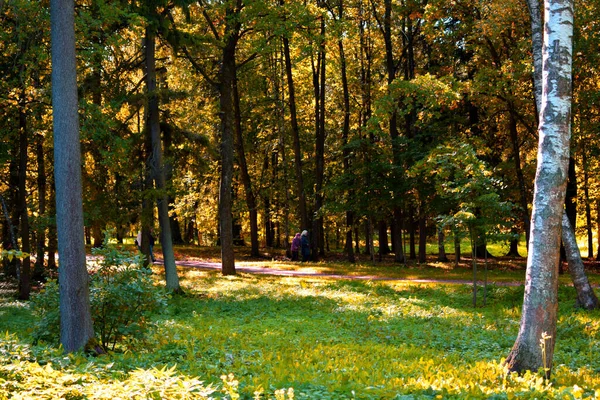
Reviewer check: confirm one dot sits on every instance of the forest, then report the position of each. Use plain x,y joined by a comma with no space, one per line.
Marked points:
381,127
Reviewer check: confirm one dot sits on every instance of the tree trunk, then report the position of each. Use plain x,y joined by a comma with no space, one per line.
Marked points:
523,197
318,73
397,238
422,239
586,297
162,202
384,247
540,305
345,133
368,241
456,249
75,318
588,208
442,257
411,235
227,77
304,222
356,240
38,272
52,230
513,250
537,41
24,281
598,227
247,182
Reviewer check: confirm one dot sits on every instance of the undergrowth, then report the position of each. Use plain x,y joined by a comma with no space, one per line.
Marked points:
260,337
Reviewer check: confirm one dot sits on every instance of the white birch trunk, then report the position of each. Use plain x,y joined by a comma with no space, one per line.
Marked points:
540,303
585,294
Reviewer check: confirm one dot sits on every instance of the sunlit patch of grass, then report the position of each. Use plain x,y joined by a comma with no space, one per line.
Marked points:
325,338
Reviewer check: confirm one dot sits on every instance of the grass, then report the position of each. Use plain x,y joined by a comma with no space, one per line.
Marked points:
325,338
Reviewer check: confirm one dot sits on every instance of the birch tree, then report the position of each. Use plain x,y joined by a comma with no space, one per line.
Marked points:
534,347
586,297
75,318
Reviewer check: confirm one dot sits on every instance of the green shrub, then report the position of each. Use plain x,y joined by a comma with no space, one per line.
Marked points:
122,298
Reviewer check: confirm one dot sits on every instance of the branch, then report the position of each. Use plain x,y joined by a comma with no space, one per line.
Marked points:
209,21
247,60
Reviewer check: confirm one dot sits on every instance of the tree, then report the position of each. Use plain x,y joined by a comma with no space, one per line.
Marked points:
76,322
540,304
585,293
157,167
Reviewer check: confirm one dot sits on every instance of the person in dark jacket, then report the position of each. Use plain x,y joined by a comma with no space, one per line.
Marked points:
305,246
296,244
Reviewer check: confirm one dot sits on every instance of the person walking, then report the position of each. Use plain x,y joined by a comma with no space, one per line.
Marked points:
305,246
296,244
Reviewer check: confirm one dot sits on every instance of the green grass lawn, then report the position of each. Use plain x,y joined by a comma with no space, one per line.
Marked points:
324,338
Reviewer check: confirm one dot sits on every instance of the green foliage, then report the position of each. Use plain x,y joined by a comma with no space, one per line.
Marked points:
466,191
10,254
273,338
122,298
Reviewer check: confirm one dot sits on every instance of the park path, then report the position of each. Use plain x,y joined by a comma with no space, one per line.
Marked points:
289,273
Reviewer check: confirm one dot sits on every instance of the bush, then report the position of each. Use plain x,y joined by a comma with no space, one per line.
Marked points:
122,297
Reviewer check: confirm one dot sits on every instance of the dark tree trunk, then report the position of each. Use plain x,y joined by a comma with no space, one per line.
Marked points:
586,297
318,74
384,247
246,181
304,221
397,237
442,257
24,282
76,321
598,228
356,240
523,196
11,218
411,233
52,233
38,272
457,254
368,240
422,239
227,78
570,206
513,250
588,208
345,134
158,173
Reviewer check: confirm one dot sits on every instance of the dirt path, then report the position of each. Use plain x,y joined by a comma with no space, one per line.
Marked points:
283,272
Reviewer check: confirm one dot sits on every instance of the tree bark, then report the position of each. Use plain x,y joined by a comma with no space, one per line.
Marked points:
76,328
588,209
523,197
586,298
227,76
345,133
397,238
158,173
245,175
24,281
422,238
442,257
304,221
41,229
318,73
384,247
540,305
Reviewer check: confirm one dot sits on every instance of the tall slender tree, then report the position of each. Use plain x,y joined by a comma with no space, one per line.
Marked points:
76,328
156,161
